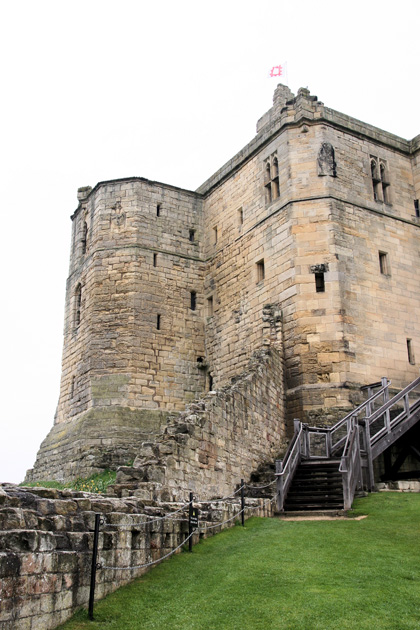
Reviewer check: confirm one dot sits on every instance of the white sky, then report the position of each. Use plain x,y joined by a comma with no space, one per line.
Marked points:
98,90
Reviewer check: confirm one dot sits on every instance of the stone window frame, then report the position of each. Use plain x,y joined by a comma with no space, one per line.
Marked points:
410,352
384,264
380,179
240,217
319,272
260,267
193,300
210,306
77,314
73,383
84,239
319,282
271,178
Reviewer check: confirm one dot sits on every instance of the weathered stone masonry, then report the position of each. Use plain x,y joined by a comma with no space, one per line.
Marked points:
46,541
313,226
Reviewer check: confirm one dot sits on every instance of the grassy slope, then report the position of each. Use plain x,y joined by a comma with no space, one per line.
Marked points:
97,483
284,575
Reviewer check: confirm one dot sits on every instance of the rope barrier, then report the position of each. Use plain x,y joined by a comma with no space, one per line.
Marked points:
192,521
222,523
147,564
223,498
261,487
158,518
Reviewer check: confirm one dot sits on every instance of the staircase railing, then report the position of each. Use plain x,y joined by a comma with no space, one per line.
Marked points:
320,442
389,421
363,429
351,464
335,437
286,469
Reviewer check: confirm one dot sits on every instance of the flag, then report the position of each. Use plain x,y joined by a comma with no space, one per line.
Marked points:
276,71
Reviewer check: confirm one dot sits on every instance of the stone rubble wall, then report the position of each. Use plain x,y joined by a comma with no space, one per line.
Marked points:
216,441
46,540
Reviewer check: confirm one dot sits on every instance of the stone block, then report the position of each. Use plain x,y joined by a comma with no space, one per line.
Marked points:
19,540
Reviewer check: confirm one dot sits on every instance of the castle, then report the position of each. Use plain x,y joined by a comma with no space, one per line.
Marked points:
274,291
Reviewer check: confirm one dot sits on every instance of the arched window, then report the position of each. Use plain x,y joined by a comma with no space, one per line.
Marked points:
271,179
77,305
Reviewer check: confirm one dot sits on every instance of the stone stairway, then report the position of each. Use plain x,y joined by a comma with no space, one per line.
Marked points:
316,486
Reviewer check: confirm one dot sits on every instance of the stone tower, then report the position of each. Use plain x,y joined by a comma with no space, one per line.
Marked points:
304,245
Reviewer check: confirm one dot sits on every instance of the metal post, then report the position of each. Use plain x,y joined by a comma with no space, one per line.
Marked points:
371,477
242,503
94,565
190,527
279,485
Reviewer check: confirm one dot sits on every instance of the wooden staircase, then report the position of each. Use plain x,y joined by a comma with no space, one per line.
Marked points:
316,486
325,466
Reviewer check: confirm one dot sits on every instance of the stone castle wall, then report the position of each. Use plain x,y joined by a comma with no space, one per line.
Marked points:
46,543
322,220
294,223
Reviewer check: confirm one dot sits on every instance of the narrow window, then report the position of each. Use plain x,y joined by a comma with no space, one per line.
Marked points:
384,264
215,235
271,179
210,306
410,352
275,187
158,207
384,182
193,300
375,179
78,305
210,377
192,236
84,237
320,282
260,271
154,260
416,207
73,386
240,217
158,322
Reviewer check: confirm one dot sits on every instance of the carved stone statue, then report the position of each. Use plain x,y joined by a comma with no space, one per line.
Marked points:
326,160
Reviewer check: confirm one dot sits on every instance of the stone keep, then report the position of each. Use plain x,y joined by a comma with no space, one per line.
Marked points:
303,246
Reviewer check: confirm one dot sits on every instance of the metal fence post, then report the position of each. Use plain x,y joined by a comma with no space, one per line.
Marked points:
94,565
242,503
279,485
190,527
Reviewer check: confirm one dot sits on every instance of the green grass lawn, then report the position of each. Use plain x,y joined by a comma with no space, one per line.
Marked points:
280,575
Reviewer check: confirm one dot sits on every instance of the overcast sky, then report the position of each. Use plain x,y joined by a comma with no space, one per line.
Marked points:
98,90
